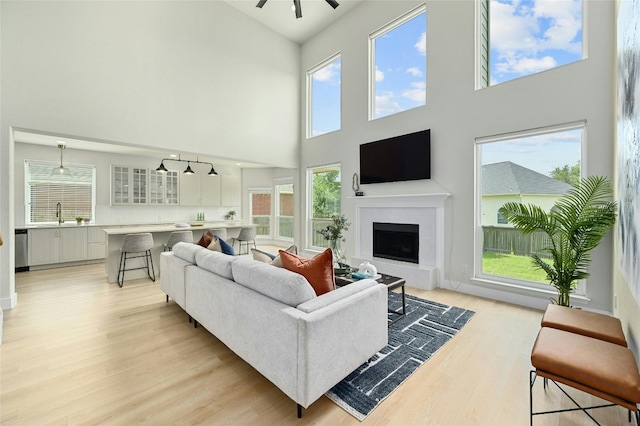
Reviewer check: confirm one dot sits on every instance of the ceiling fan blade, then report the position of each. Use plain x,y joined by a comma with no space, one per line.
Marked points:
261,3
296,3
333,3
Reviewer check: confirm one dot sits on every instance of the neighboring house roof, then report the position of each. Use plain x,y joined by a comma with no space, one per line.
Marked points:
510,178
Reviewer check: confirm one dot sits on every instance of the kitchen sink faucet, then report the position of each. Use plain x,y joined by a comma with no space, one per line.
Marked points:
59,213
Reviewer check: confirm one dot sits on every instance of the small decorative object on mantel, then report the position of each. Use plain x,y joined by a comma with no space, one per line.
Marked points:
333,233
355,185
230,215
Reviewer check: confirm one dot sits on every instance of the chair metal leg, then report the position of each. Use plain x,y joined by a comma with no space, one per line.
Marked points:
123,262
149,259
299,411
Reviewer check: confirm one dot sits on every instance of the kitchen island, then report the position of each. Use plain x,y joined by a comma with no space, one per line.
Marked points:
115,236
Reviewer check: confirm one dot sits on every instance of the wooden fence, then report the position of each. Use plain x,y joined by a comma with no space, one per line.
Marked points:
512,241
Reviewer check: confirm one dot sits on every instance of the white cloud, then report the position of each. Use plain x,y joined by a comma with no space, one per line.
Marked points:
328,74
386,104
414,71
379,75
417,94
525,65
521,30
421,44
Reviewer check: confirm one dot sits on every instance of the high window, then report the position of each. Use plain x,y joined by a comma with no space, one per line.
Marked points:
260,208
284,210
47,192
398,65
323,97
325,195
522,37
535,167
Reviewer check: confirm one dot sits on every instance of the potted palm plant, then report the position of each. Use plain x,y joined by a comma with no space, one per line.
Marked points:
575,226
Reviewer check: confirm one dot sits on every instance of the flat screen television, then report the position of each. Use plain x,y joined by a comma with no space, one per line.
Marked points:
401,158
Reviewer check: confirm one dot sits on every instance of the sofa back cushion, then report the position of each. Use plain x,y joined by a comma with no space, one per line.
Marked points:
216,262
186,251
277,283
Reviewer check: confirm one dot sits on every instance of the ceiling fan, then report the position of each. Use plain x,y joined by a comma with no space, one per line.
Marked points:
297,8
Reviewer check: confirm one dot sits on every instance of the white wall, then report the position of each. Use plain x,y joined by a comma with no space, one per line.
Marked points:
198,75
106,214
456,113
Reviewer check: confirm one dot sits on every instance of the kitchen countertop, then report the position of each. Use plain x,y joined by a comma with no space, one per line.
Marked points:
172,227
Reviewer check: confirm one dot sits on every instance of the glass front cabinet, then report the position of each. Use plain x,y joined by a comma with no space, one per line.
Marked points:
163,188
129,185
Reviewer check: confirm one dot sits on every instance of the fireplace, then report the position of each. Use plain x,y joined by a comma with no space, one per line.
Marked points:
396,241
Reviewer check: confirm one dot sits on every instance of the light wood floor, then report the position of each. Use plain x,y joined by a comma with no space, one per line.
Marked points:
77,350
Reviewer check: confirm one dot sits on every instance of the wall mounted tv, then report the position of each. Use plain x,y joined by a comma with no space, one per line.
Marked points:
401,158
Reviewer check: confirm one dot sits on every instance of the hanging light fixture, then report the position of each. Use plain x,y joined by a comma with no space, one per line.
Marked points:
60,169
188,171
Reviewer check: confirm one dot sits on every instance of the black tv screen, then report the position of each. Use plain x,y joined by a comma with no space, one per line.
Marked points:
401,158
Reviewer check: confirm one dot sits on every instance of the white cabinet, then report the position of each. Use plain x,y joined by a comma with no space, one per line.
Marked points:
199,189
47,246
95,243
163,187
230,191
129,185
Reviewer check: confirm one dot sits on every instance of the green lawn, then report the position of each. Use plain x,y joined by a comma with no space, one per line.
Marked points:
508,265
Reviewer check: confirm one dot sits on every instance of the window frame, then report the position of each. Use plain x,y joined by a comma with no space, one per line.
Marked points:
398,22
309,89
483,45
276,211
72,168
309,214
510,282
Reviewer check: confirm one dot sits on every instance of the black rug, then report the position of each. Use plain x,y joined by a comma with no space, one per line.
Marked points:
412,341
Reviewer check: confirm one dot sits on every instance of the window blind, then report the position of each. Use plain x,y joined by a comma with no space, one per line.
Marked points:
46,187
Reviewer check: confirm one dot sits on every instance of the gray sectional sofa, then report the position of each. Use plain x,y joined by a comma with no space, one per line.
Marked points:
272,318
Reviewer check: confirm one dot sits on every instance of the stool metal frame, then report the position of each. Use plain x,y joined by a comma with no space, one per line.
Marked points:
136,246
247,236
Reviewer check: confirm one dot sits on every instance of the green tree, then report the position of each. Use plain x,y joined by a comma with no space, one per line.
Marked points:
566,173
326,193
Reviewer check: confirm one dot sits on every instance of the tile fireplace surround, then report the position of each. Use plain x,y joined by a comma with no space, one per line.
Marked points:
425,210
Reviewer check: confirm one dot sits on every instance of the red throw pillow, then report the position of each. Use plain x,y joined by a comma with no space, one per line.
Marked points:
318,271
206,239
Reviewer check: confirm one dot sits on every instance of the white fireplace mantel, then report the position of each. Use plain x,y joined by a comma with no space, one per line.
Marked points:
426,210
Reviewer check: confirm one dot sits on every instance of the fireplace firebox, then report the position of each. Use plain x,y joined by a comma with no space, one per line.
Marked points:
396,241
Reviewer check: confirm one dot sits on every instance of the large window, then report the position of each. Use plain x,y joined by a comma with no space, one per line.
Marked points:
284,210
534,167
398,66
47,192
260,208
522,37
325,195
323,97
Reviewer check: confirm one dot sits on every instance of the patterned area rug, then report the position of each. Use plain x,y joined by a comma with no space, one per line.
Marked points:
412,341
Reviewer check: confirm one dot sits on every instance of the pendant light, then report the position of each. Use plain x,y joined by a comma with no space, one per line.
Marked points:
188,171
60,169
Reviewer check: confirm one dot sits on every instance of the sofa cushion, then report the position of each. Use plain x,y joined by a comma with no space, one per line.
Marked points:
186,251
317,270
206,239
226,247
277,261
277,283
262,256
216,262
334,296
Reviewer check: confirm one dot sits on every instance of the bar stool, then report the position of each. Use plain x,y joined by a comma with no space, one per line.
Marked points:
176,237
247,236
220,232
133,246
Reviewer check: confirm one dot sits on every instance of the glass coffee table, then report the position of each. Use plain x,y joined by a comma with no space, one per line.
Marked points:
344,277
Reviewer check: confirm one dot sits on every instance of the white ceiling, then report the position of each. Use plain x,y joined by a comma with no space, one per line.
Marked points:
278,15
275,14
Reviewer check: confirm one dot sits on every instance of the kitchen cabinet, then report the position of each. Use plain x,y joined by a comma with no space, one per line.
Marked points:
199,189
163,187
57,245
230,191
129,185
95,243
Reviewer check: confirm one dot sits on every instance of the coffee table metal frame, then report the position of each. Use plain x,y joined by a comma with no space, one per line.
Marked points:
390,281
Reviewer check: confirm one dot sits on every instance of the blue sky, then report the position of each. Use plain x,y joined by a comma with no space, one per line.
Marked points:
529,36
541,153
325,101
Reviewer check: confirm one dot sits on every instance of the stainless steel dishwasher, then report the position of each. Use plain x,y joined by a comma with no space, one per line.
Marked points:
22,250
